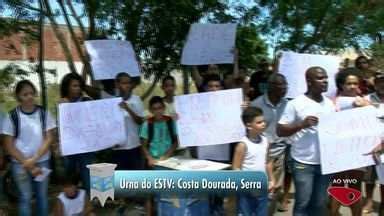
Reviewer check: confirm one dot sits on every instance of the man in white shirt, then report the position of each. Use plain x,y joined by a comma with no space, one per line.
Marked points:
299,120
273,104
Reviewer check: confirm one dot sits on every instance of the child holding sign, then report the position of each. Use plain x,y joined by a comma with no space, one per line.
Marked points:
251,154
158,135
71,91
214,152
29,132
128,155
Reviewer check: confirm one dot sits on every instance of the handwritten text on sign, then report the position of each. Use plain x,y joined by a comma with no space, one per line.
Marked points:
209,44
294,65
209,118
90,126
345,136
110,57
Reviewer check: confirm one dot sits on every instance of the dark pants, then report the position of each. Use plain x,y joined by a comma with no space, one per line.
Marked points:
248,205
131,159
78,164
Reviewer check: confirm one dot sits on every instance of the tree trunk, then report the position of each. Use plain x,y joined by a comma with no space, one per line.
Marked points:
40,69
60,37
150,89
91,11
77,18
82,56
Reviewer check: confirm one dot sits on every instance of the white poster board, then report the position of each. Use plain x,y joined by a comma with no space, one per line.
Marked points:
90,126
209,44
346,136
110,57
294,65
209,118
380,173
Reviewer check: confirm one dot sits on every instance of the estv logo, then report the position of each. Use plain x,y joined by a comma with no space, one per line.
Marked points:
346,196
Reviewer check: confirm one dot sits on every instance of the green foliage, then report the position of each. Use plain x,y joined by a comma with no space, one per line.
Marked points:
157,28
252,49
330,25
9,73
377,50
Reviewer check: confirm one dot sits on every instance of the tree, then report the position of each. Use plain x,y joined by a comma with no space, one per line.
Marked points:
252,49
156,28
320,25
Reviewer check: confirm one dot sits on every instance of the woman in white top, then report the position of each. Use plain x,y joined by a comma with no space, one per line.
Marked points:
28,133
251,154
348,97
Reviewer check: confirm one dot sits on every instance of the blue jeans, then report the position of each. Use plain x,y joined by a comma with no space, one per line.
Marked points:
249,205
78,164
311,195
26,185
186,206
216,205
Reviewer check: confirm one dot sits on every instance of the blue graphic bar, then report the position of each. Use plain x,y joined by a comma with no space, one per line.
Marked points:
128,183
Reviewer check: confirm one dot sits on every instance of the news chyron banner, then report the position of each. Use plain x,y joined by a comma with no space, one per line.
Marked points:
189,182
108,183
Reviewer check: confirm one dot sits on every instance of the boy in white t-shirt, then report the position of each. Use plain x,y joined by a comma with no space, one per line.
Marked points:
214,152
299,120
128,155
251,155
168,85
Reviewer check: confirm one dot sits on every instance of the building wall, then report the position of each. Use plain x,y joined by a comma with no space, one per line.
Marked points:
17,47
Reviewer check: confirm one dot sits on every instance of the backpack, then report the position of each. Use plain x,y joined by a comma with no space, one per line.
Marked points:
15,119
169,122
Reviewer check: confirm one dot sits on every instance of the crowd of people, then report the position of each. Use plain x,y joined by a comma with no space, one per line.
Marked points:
281,139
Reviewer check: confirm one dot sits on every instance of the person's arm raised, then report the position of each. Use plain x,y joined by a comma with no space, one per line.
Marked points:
196,76
236,72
